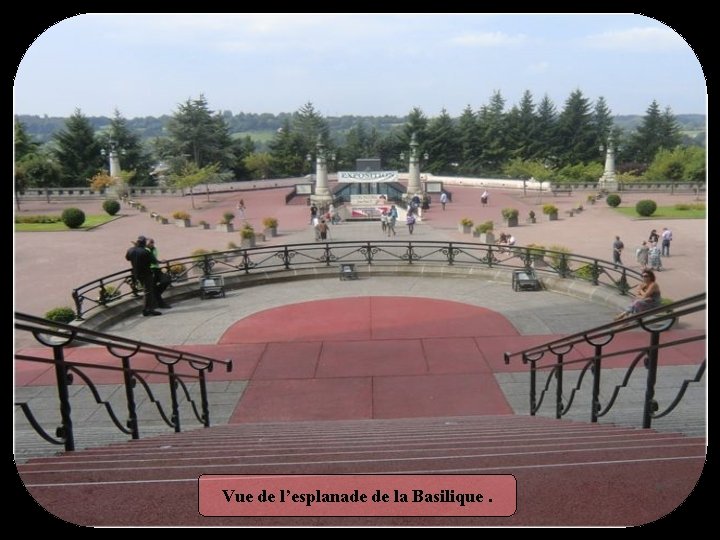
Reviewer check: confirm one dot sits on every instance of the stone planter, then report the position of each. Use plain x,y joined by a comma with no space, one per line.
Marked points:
204,225
487,238
225,227
247,242
184,223
270,232
465,229
162,220
532,220
511,222
259,237
552,217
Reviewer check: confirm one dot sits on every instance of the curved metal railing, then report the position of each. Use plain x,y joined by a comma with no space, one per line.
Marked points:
179,366
655,322
390,253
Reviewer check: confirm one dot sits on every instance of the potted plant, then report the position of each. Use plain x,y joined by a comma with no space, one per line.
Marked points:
531,216
203,224
270,224
551,211
247,235
182,218
465,225
484,231
108,293
225,224
537,254
591,199
510,215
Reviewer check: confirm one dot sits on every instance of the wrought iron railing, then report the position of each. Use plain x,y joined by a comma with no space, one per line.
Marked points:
274,260
654,322
179,367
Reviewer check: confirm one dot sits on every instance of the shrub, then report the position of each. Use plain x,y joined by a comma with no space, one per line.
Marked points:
198,254
555,257
247,231
180,214
111,206
466,222
585,272
203,222
227,218
613,200
483,228
590,199
646,207
109,292
536,249
73,217
177,269
270,223
510,213
37,219
61,314
232,245
550,209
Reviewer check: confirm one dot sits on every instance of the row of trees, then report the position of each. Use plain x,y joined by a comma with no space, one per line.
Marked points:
527,140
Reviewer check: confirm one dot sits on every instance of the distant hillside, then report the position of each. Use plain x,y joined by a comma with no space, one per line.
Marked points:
262,126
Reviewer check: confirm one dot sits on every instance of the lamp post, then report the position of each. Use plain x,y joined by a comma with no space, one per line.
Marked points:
322,195
114,165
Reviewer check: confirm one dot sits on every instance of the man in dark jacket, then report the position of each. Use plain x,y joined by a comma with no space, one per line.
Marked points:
141,260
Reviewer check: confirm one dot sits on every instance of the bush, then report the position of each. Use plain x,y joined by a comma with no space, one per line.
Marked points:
466,222
550,209
270,223
646,207
232,245
483,228
180,214
177,269
510,213
73,217
613,200
227,218
247,231
61,314
111,206
37,219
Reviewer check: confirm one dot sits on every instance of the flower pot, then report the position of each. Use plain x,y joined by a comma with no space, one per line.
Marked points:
553,216
270,232
511,222
184,223
247,242
465,229
225,227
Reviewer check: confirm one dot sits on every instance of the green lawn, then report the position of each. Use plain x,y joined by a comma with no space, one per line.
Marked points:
665,212
90,221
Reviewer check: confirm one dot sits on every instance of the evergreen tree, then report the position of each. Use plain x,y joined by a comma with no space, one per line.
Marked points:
646,141
669,131
241,149
522,127
200,135
310,126
416,122
442,145
469,139
546,147
492,121
24,143
603,122
577,136
286,150
77,151
131,153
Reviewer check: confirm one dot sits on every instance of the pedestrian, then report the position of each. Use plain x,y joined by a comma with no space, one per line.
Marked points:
392,219
410,222
162,279
655,258
241,208
443,199
618,246
666,239
141,259
484,198
384,221
313,215
654,238
642,253
322,229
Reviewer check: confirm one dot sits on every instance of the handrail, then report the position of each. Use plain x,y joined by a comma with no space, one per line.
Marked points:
268,260
654,322
58,336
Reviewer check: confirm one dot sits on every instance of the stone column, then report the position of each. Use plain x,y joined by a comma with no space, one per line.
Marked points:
413,186
608,180
322,195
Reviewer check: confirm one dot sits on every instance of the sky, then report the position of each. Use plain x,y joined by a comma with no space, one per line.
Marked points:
146,65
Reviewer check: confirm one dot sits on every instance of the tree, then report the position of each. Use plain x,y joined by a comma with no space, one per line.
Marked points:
522,128
577,137
603,122
259,164
132,156
37,170
469,139
442,145
286,150
77,151
678,164
546,147
416,123
199,134
658,130
191,175
24,143
493,127
242,148
310,126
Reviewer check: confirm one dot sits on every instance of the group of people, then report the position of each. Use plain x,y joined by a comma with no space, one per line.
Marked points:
505,240
143,256
650,253
388,218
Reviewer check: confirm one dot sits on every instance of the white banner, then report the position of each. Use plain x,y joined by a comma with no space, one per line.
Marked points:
367,176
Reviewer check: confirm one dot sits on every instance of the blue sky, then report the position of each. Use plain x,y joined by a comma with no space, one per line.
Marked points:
145,65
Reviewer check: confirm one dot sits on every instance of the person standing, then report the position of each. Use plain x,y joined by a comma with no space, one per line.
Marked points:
241,208
313,215
443,199
484,198
618,246
653,238
642,253
410,222
141,259
666,239
162,280
392,219
322,229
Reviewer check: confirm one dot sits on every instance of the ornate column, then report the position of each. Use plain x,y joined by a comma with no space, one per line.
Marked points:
322,195
413,187
608,181
118,187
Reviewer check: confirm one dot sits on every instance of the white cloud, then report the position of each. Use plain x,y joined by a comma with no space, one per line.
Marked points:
637,39
488,39
539,67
